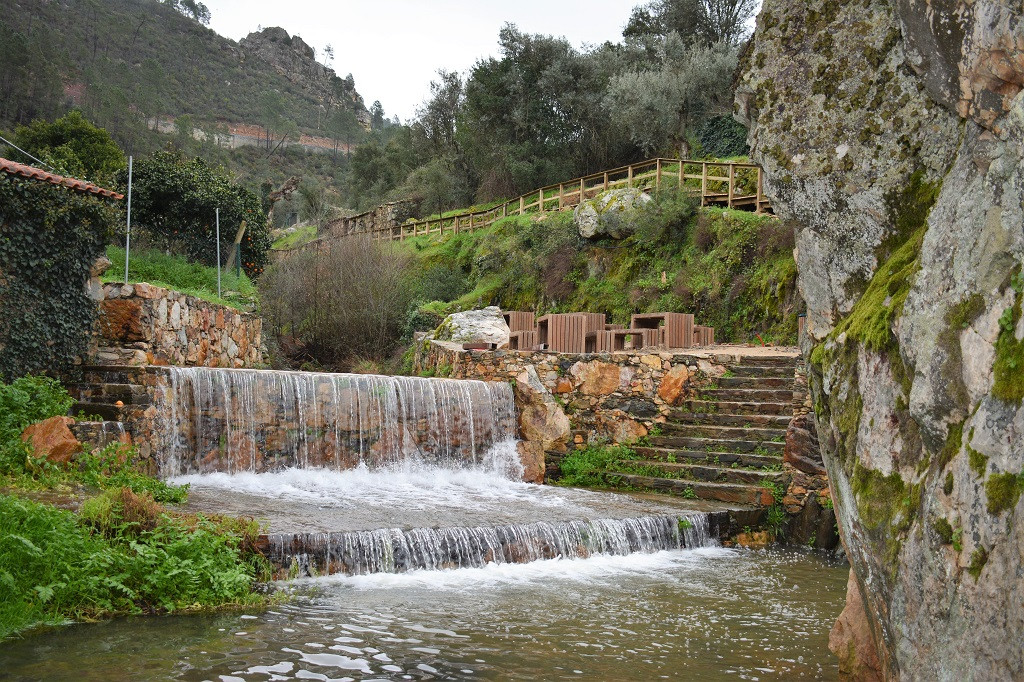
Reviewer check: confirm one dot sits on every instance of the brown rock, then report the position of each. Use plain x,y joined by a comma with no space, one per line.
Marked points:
148,291
531,456
597,378
563,385
541,419
802,451
121,320
852,640
52,439
672,384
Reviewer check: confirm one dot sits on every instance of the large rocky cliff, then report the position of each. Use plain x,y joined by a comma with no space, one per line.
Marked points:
892,133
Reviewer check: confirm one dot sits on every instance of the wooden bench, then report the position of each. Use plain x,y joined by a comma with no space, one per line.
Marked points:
523,340
519,321
563,332
703,336
678,327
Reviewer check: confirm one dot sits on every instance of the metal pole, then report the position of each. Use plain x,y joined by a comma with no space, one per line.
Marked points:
128,227
218,253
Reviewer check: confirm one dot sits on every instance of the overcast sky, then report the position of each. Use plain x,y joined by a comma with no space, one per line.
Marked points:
394,48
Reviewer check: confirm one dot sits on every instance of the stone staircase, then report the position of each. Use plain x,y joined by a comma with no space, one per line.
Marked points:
725,444
107,396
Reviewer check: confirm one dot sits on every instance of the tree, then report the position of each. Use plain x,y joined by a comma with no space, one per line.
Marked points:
73,146
344,125
704,21
174,199
377,119
660,106
192,9
328,55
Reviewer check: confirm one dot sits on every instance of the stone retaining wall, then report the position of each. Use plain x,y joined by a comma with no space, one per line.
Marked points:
141,324
384,217
613,397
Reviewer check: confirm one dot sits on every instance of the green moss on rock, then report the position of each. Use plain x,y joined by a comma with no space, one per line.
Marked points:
1003,491
944,530
1008,369
979,558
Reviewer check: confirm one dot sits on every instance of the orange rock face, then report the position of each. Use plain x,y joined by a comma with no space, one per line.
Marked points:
53,439
121,320
851,639
531,455
672,384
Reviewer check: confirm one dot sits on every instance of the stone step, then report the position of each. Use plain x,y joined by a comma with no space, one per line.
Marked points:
726,458
711,473
762,371
732,407
129,394
723,492
755,382
723,419
761,395
717,444
105,411
117,374
760,434
770,361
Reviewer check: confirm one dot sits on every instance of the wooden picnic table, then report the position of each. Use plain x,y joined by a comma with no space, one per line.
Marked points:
678,327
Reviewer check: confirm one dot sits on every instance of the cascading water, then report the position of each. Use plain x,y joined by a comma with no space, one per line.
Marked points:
236,420
396,551
363,474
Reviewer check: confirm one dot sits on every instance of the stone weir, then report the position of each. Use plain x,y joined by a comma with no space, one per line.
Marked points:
240,420
396,551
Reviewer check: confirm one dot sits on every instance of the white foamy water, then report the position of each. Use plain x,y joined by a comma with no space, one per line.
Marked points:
601,569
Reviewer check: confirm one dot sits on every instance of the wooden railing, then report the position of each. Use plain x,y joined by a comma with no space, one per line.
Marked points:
718,183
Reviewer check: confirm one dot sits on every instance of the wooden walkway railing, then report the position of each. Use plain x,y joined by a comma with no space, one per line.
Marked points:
718,183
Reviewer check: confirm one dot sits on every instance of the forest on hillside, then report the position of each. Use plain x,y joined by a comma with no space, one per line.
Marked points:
539,111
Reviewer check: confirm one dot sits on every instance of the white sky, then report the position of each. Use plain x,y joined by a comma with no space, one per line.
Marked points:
393,48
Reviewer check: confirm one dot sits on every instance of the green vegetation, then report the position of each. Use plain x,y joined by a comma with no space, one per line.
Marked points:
587,467
297,237
180,274
125,556
73,146
944,530
1008,369
979,558
1003,490
977,461
123,552
734,270
51,237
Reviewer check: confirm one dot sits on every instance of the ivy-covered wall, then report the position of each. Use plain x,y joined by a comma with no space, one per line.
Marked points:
50,236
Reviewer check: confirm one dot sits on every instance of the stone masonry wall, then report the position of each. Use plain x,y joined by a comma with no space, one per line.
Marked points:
616,397
142,324
385,216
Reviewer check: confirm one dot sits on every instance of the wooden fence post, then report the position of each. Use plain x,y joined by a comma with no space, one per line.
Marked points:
561,195
522,204
703,183
682,174
760,191
657,175
606,181
583,191
629,176
732,182
540,201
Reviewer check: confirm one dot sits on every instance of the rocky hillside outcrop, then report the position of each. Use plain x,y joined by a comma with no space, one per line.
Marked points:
891,132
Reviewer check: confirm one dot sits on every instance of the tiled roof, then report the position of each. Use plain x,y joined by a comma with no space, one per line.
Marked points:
33,173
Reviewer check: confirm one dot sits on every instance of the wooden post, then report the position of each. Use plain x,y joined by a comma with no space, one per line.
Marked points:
703,183
760,191
682,175
732,182
583,191
470,222
657,175
504,210
522,205
234,247
629,176
456,225
606,181
540,201
561,195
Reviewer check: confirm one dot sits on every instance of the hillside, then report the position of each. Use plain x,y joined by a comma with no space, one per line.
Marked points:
126,59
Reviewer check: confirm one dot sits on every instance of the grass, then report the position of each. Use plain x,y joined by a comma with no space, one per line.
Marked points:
734,270
587,467
301,235
180,274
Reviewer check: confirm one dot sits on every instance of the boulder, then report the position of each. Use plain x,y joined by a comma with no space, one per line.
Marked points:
672,383
52,438
802,451
541,418
474,326
531,456
608,214
851,639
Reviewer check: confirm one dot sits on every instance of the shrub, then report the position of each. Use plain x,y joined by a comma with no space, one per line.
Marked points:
586,467
342,301
23,402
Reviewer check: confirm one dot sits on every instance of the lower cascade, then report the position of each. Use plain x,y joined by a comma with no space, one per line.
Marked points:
395,551
235,420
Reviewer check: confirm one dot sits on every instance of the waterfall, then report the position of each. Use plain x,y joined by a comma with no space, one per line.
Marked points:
242,420
395,551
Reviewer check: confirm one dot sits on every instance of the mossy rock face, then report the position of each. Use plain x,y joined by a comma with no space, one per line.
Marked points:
906,183
608,214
